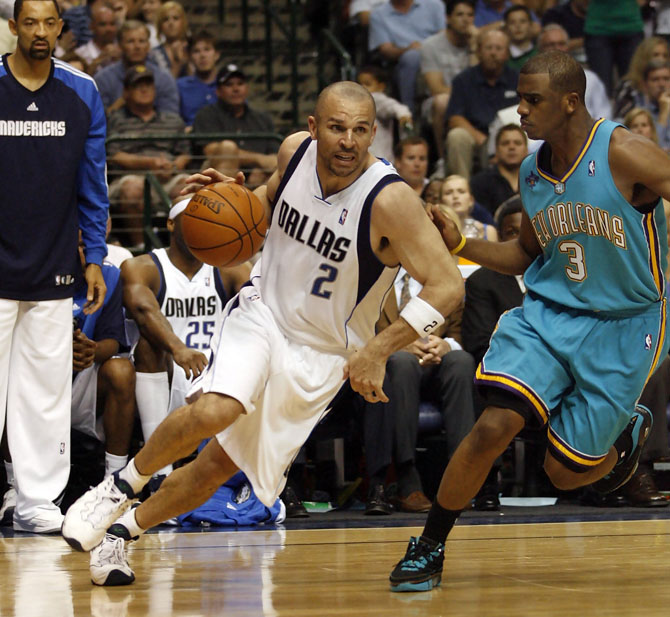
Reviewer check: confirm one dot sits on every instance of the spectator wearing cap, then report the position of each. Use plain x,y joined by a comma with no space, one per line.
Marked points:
139,116
232,114
199,89
134,42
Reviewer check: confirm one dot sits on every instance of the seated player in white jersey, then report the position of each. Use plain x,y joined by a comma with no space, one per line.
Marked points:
343,223
103,406
174,300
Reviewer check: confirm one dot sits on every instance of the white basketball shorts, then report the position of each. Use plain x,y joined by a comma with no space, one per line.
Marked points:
285,389
84,402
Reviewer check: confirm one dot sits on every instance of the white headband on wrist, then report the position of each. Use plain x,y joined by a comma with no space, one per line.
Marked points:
422,316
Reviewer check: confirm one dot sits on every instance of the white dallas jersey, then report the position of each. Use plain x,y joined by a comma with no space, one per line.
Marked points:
318,273
192,306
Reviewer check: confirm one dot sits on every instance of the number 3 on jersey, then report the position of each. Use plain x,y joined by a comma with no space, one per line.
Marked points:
331,275
576,271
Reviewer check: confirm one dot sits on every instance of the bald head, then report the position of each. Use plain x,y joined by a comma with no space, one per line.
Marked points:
348,91
565,73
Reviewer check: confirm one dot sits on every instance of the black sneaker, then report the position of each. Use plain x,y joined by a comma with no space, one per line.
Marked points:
421,567
294,507
377,503
635,433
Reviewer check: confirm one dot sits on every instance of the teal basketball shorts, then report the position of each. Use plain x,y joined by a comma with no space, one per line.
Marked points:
579,372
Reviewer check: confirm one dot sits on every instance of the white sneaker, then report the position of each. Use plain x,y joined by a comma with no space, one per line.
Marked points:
7,508
89,517
47,521
109,564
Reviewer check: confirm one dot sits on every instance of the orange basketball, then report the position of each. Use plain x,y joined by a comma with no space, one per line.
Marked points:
224,224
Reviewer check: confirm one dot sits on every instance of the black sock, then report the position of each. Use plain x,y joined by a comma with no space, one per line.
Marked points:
439,523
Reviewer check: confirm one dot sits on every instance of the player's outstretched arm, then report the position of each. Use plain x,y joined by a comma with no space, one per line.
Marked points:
640,169
401,232
140,285
512,257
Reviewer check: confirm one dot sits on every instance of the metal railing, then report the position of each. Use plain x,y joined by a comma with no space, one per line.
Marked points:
329,42
290,32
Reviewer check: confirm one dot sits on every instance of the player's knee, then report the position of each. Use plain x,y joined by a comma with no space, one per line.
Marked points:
118,375
214,464
495,429
561,477
211,414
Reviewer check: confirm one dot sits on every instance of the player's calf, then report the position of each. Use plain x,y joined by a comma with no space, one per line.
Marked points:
629,447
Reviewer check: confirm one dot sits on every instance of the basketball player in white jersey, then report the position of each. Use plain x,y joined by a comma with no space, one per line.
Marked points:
342,223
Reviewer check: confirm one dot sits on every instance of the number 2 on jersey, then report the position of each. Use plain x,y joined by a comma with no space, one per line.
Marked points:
331,275
576,271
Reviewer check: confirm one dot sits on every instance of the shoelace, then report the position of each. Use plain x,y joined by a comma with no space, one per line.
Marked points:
419,555
112,551
112,498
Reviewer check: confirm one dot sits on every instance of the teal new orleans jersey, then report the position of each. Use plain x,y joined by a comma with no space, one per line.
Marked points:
599,253
592,327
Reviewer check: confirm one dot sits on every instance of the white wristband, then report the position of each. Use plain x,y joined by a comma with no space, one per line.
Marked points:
422,316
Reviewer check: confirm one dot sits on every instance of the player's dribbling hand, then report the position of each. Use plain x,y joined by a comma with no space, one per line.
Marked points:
366,376
208,176
192,361
445,226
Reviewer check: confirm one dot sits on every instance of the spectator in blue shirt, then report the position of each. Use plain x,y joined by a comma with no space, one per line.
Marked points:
198,90
134,42
396,30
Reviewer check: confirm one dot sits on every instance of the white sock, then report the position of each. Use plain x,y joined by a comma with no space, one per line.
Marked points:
128,520
152,391
166,471
9,472
133,477
114,462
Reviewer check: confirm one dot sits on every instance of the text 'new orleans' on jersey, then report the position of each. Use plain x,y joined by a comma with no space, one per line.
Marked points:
318,272
599,253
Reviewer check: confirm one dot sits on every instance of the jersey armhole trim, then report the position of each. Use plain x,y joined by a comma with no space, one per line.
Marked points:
160,296
290,168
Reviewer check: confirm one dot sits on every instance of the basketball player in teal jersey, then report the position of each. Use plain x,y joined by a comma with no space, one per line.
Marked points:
592,328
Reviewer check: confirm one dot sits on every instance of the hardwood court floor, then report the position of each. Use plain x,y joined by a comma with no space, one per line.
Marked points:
516,570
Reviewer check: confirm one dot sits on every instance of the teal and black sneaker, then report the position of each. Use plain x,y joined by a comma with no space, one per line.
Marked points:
631,441
421,567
